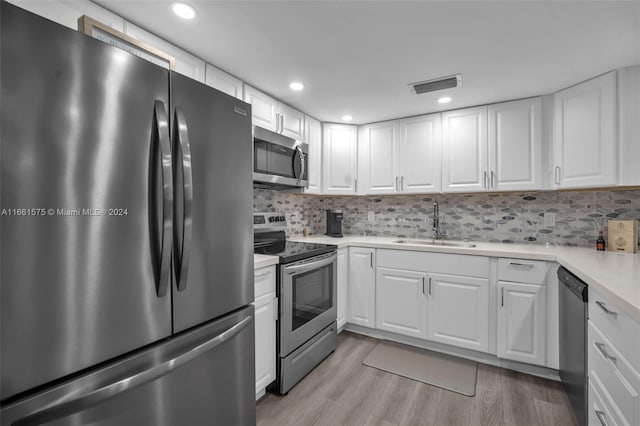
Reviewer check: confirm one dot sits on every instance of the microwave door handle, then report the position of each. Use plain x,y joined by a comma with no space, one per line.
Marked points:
302,163
184,252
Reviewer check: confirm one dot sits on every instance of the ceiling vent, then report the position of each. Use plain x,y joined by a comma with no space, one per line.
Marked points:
436,84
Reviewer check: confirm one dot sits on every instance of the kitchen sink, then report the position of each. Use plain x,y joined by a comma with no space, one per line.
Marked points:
436,243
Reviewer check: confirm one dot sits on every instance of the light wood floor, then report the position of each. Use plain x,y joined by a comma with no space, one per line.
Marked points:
342,391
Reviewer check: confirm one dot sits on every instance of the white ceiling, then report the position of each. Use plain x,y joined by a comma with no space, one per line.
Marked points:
357,57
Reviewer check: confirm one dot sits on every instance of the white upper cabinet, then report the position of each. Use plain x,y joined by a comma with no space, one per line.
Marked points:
629,134
222,81
291,121
464,150
379,158
419,154
339,159
68,12
263,108
273,115
584,136
401,156
186,64
515,145
313,136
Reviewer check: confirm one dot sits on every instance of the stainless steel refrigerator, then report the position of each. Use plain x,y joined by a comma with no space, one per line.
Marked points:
126,260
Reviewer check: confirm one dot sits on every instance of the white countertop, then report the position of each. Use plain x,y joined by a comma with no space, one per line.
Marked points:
614,275
262,260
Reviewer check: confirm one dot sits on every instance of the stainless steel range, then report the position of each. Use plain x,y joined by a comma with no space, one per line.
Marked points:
306,291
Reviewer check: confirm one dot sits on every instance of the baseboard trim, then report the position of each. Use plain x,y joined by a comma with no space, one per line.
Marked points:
483,358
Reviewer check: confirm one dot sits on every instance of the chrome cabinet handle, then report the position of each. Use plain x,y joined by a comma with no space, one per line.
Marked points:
397,187
557,175
501,296
423,285
355,184
602,348
371,259
430,286
604,308
401,183
183,250
493,176
281,123
83,399
161,133
517,265
484,180
601,416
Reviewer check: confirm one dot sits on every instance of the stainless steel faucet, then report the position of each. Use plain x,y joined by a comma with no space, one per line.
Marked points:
438,234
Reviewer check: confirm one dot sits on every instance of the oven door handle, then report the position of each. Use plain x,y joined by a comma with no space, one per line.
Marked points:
305,267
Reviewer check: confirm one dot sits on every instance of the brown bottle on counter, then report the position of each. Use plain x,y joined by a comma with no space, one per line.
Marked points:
600,244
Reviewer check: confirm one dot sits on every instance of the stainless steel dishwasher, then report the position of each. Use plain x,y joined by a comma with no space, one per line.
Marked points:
573,341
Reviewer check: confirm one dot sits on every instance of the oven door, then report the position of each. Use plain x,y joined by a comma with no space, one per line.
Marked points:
307,300
279,160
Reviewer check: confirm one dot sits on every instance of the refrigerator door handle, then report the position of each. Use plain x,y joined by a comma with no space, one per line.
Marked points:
184,250
162,137
80,402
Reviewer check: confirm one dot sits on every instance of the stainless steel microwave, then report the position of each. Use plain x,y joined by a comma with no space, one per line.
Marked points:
279,161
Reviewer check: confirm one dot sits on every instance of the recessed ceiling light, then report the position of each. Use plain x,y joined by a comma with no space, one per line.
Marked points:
444,100
183,10
297,86
347,118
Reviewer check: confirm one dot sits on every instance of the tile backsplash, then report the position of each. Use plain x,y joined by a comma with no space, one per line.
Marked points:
504,217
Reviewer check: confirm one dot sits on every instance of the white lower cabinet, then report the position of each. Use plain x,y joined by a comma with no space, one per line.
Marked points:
265,306
342,286
522,322
401,302
458,311
362,286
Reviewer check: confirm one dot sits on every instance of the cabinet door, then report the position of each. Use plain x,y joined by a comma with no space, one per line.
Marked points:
458,311
464,150
186,64
361,299
343,280
313,136
291,122
380,158
420,154
263,108
515,145
265,323
222,81
584,138
339,159
521,322
401,302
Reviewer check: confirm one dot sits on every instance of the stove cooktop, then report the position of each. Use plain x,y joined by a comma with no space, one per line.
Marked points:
292,251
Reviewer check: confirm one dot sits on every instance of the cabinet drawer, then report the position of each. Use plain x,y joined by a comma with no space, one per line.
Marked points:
608,367
599,411
438,263
264,280
522,271
621,330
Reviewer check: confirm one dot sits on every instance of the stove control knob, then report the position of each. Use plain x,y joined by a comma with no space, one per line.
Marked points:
271,219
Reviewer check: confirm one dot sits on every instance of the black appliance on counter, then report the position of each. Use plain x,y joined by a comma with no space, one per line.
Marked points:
334,223
306,291
573,341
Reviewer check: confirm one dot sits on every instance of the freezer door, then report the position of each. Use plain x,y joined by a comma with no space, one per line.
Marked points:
213,244
82,129
204,377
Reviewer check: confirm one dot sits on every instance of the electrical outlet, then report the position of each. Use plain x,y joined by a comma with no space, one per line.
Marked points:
371,216
549,219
